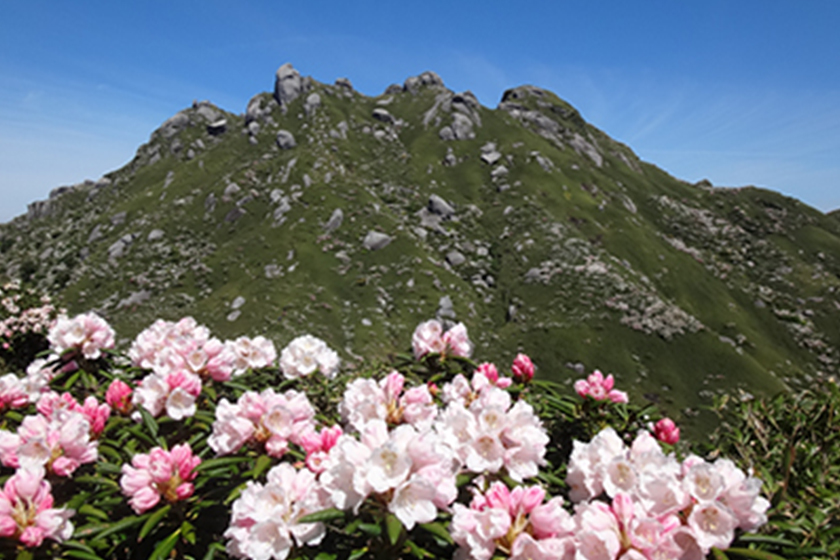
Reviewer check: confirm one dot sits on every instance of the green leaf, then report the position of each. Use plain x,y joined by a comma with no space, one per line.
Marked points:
118,526
212,550
152,521
766,539
438,530
164,547
149,421
371,529
394,527
322,516
358,553
755,554
88,509
81,554
263,462
219,462
326,556
417,551
188,532
719,554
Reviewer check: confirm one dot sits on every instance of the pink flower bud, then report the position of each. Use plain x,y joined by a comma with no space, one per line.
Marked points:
489,371
523,368
666,431
118,396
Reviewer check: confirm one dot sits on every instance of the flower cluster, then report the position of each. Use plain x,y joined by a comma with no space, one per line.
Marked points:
660,507
514,522
87,334
20,316
159,474
270,419
27,513
405,450
430,338
60,438
600,388
265,519
307,354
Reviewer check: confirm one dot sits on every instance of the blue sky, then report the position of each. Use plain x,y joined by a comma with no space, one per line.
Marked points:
739,92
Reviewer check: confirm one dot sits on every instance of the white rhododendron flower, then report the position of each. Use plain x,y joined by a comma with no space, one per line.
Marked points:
87,333
265,518
307,354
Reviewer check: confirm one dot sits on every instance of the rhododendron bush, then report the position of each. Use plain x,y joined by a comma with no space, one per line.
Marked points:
188,446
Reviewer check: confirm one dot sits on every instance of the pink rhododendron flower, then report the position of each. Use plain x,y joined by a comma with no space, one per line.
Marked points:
365,400
307,354
252,353
13,392
430,338
514,522
88,334
54,407
600,388
523,368
267,418
60,444
27,513
174,392
159,473
317,445
265,518
666,431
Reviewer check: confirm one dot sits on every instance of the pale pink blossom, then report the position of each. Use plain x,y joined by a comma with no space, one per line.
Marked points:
307,354
13,392
600,388
388,400
252,353
427,339
27,513
175,393
269,419
88,334
430,338
59,445
318,444
159,474
265,519
457,342
515,523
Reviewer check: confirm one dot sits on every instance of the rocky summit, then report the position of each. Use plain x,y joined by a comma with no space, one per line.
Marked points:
354,218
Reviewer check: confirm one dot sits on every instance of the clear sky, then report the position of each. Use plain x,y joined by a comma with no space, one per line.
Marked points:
739,92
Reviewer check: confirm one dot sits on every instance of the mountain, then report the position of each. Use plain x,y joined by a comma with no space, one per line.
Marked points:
354,218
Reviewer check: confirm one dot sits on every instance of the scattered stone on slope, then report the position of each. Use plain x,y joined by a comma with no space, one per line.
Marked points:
273,271
439,206
170,176
134,299
95,235
216,127
207,111
313,101
375,240
382,115
238,302
489,154
118,247
583,146
445,308
335,221
230,191
118,219
210,203
455,258
234,214
155,234
344,83
285,140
